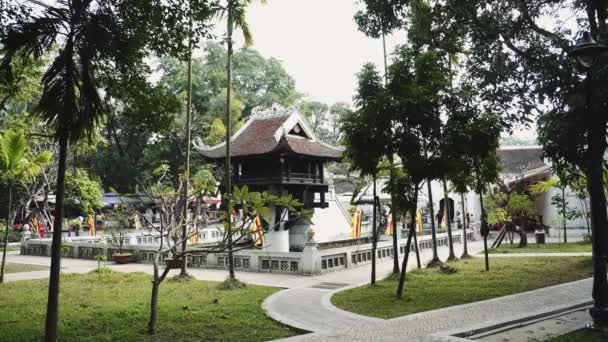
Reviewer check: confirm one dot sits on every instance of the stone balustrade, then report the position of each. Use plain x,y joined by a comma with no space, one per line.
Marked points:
312,260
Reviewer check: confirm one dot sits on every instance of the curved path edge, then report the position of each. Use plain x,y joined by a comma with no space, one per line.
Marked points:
311,310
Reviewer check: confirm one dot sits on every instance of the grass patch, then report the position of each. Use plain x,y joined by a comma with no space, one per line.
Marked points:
574,247
9,248
231,284
427,289
115,307
584,335
17,268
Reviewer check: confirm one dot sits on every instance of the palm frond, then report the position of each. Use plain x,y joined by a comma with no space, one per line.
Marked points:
240,21
29,39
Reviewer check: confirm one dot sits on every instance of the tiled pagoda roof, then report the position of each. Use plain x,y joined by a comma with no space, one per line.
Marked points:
266,135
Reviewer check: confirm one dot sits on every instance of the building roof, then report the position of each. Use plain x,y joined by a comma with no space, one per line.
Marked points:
520,159
266,135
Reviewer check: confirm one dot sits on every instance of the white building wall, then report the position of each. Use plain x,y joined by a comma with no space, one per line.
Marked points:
471,201
551,216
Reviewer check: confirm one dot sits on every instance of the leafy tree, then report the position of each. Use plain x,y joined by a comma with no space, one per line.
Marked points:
96,43
17,164
217,108
235,17
518,56
337,112
217,132
379,18
364,136
505,207
82,194
260,82
317,115
167,196
142,121
16,93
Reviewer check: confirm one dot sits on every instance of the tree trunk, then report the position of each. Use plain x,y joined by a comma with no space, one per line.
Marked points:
374,234
394,218
418,264
564,212
9,225
483,222
446,208
52,309
184,269
433,231
153,307
408,244
228,134
465,222
599,223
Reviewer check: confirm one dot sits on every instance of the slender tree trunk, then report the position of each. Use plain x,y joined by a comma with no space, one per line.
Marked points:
483,222
374,234
184,269
564,213
433,231
229,134
385,61
52,309
446,207
408,245
394,217
465,253
418,264
599,222
9,225
153,307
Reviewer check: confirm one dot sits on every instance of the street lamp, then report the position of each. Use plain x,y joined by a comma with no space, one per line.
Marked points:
588,52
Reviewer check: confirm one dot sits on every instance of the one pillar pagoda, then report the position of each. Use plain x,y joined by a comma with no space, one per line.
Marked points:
279,155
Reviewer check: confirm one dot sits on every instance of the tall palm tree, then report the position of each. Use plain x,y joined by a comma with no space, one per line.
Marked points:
235,13
17,164
83,34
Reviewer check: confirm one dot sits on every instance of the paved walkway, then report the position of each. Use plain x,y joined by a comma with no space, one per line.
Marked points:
313,311
519,255
310,309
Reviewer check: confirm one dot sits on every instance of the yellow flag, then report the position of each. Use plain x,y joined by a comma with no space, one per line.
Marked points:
419,221
92,231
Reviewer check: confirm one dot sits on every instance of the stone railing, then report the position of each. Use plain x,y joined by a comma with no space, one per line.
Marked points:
314,259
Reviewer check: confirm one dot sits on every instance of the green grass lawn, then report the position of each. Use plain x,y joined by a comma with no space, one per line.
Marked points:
582,336
16,268
574,247
116,308
427,290
9,248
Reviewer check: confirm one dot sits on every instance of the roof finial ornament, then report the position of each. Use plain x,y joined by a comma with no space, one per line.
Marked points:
199,144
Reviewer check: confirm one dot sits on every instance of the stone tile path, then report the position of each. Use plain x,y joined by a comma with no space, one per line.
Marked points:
520,255
310,309
545,329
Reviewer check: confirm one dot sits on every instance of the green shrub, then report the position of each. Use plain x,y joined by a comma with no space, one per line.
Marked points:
13,236
231,284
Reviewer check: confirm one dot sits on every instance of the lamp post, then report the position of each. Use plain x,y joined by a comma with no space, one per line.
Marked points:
588,52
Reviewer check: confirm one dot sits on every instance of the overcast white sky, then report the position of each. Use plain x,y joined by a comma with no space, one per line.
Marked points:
318,43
